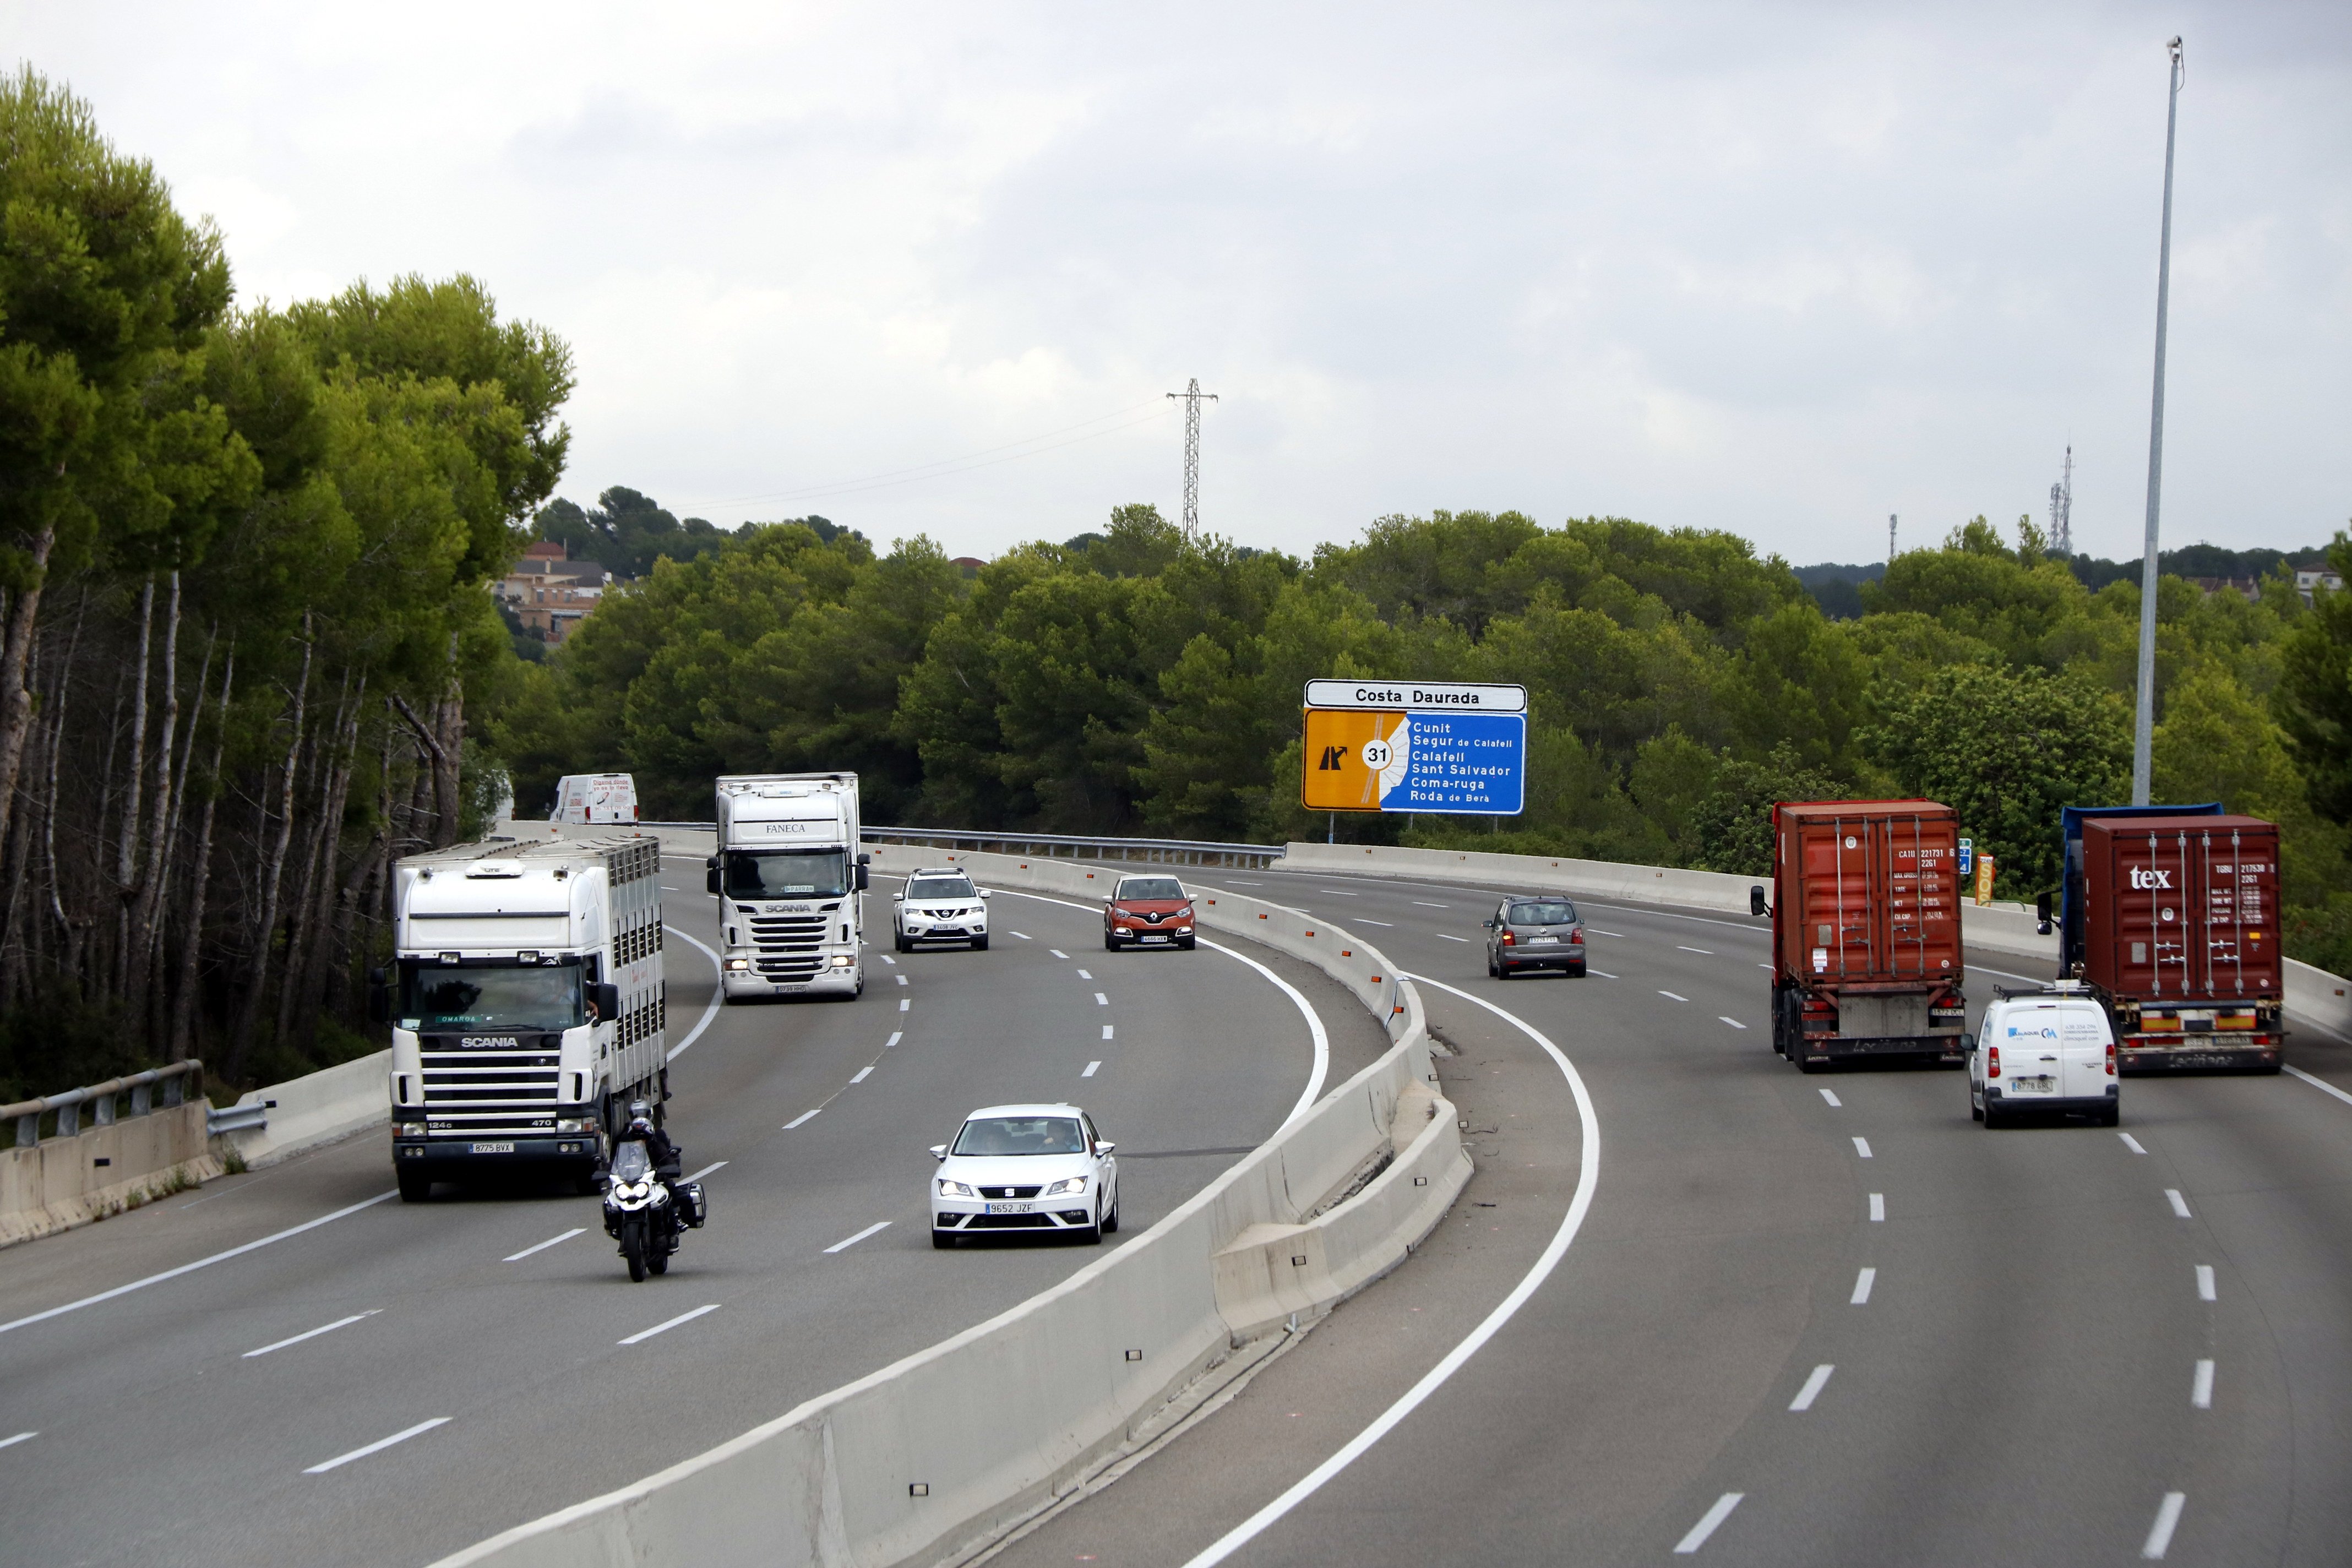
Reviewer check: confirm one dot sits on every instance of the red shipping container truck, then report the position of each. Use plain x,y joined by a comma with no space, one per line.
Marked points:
1866,955
2180,939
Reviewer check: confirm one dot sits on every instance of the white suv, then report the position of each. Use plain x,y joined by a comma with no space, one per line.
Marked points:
2043,1050
939,905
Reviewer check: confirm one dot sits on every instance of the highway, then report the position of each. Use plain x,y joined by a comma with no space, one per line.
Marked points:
1799,1319
402,1380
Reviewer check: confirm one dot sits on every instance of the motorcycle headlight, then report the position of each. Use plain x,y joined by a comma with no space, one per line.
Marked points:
1068,1184
953,1189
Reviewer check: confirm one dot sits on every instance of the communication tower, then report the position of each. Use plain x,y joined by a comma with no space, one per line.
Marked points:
1191,398
2062,508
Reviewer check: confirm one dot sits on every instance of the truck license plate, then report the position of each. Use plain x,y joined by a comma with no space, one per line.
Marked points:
1013,1209
2032,1085
493,1148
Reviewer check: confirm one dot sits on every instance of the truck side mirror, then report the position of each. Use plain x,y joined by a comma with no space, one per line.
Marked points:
1756,904
863,876
2042,912
379,1002
607,997
711,881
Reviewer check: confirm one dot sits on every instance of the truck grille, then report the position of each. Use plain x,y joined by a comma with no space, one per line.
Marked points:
789,945
479,1093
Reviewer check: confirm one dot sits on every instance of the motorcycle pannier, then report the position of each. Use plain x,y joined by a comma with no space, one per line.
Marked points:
691,1204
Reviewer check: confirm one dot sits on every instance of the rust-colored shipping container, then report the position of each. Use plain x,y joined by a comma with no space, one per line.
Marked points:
2181,937
1866,931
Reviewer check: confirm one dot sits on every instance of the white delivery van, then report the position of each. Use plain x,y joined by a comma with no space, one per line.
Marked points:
595,797
2043,1050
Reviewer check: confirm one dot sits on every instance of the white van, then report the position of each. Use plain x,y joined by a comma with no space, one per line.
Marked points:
2043,1050
595,797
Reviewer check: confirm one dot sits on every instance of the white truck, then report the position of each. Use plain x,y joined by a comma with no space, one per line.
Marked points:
595,797
525,1005
788,873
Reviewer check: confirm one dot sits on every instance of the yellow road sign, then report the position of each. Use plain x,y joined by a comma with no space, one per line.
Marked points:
1346,753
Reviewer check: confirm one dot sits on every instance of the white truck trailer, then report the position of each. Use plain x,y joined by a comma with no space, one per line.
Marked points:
788,873
526,1005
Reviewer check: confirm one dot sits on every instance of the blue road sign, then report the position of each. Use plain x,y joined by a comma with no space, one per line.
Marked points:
1469,764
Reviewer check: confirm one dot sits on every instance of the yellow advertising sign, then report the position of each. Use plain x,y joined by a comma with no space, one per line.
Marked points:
1346,753
1984,878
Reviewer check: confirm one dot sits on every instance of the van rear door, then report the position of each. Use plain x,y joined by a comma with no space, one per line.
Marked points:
2083,1041
2032,1068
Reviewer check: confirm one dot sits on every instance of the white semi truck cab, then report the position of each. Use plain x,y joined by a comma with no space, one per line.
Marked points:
526,1003
788,873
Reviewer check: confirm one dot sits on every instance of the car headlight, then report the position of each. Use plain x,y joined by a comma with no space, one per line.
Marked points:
1068,1184
1123,914
1183,931
953,1189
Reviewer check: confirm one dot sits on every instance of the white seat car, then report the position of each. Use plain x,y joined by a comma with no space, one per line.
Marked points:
2048,1050
1025,1168
939,905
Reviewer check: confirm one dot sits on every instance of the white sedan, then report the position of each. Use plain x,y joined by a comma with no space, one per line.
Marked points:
1025,1168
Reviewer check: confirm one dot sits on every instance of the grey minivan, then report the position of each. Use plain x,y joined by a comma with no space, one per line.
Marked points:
1535,933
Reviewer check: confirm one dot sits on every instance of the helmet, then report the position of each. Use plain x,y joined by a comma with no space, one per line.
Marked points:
638,1109
641,1124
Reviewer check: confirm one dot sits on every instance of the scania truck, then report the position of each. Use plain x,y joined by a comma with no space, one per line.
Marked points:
788,873
525,1005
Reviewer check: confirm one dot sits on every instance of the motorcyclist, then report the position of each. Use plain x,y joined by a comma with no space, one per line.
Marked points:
663,1156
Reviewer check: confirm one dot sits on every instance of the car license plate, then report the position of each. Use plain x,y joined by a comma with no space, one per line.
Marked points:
1541,941
2032,1085
1156,937
1013,1209
493,1148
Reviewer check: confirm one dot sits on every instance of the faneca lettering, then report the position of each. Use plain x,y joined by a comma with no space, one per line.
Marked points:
2144,877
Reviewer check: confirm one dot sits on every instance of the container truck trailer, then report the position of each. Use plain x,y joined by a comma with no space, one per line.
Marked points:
787,874
1866,957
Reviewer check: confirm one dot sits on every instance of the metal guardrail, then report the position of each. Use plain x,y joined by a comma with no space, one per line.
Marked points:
237,1118
101,1097
1062,846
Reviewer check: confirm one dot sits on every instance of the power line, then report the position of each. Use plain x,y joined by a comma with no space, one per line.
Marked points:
1191,398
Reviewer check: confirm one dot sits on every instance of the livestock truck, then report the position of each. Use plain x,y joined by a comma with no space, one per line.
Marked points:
2170,916
787,874
1866,957
526,1005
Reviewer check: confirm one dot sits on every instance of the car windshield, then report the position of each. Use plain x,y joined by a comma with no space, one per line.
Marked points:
1554,912
787,874
1151,888
531,996
1021,1135
630,1162
926,889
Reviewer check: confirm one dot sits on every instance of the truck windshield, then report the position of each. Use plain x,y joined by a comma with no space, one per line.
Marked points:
526,996
787,873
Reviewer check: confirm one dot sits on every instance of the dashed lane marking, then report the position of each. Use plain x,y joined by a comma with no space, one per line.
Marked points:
643,1334
2131,1142
1862,1148
1878,1208
1707,1523
1728,1018
1604,974
526,1252
2205,1292
1364,920
1672,997
903,1004
2200,1387
1057,952
19,1438
1085,975
1449,936
896,1035
1418,904
1092,1068
2179,1204
1862,1284
2167,1520
706,1169
1024,936
1813,1389
347,1322
1702,952
845,1243
859,1076
1101,1000
803,1116
378,1446
1831,1095
1106,1031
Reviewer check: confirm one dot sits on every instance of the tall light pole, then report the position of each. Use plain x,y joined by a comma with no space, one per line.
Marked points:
2144,720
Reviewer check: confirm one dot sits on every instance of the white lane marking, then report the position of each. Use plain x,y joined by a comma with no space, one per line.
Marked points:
1831,1095
1056,951
1862,1284
1101,1000
1024,936
1672,997
643,1334
2200,1387
900,978
1728,1018
2131,1142
543,1246
718,994
890,960
1106,1031
2167,1520
706,1169
379,1446
1861,1147
1083,975
1092,1067
1708,1523
1337,894
341,1322
1604,974
1620,935
859,1076
199,1263
1239,883
847,1242
2320,1084
896,1035
1363,921
2179,1204
1878,1208
1418,904
2205,1292
19,1438
1449,936
667,888
1813,1389
803,1116
1588,1177
903,1004
1763,966
1702,952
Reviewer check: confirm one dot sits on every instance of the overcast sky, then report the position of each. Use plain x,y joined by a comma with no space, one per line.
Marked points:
1782,270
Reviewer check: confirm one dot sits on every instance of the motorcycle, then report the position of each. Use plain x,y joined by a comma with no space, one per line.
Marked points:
642,1213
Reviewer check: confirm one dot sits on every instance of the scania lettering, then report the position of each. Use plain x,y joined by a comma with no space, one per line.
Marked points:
788,873
525,1005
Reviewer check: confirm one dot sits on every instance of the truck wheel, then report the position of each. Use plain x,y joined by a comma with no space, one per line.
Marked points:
416,1186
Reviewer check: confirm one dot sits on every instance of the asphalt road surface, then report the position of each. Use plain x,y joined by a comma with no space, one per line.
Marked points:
1805,1319
404,1380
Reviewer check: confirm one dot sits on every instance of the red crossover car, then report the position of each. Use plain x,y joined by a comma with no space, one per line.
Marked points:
1147,911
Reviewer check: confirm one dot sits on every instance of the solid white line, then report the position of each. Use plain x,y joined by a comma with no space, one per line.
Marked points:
1101,1000
718,994
2179,1204
1861,1147
1813,1389
859,1076
1588,1177
19,1438
896,1035
1091,1068
1878,1208
2201,1388
1106,1031
1672,997
378,1446
851,1241
1449,936
1708,1522
342,1322
1024,936
2320,1084
199,1263
2131,1142
902,1003
543,1246
2205,1292
643,1334
1735,1024
1056,951
1085,975
706,1169
2167,1520
1702,952
1831,1095
803,1116
1862,1284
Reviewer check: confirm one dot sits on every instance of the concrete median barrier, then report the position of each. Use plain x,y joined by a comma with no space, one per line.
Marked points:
315,1109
